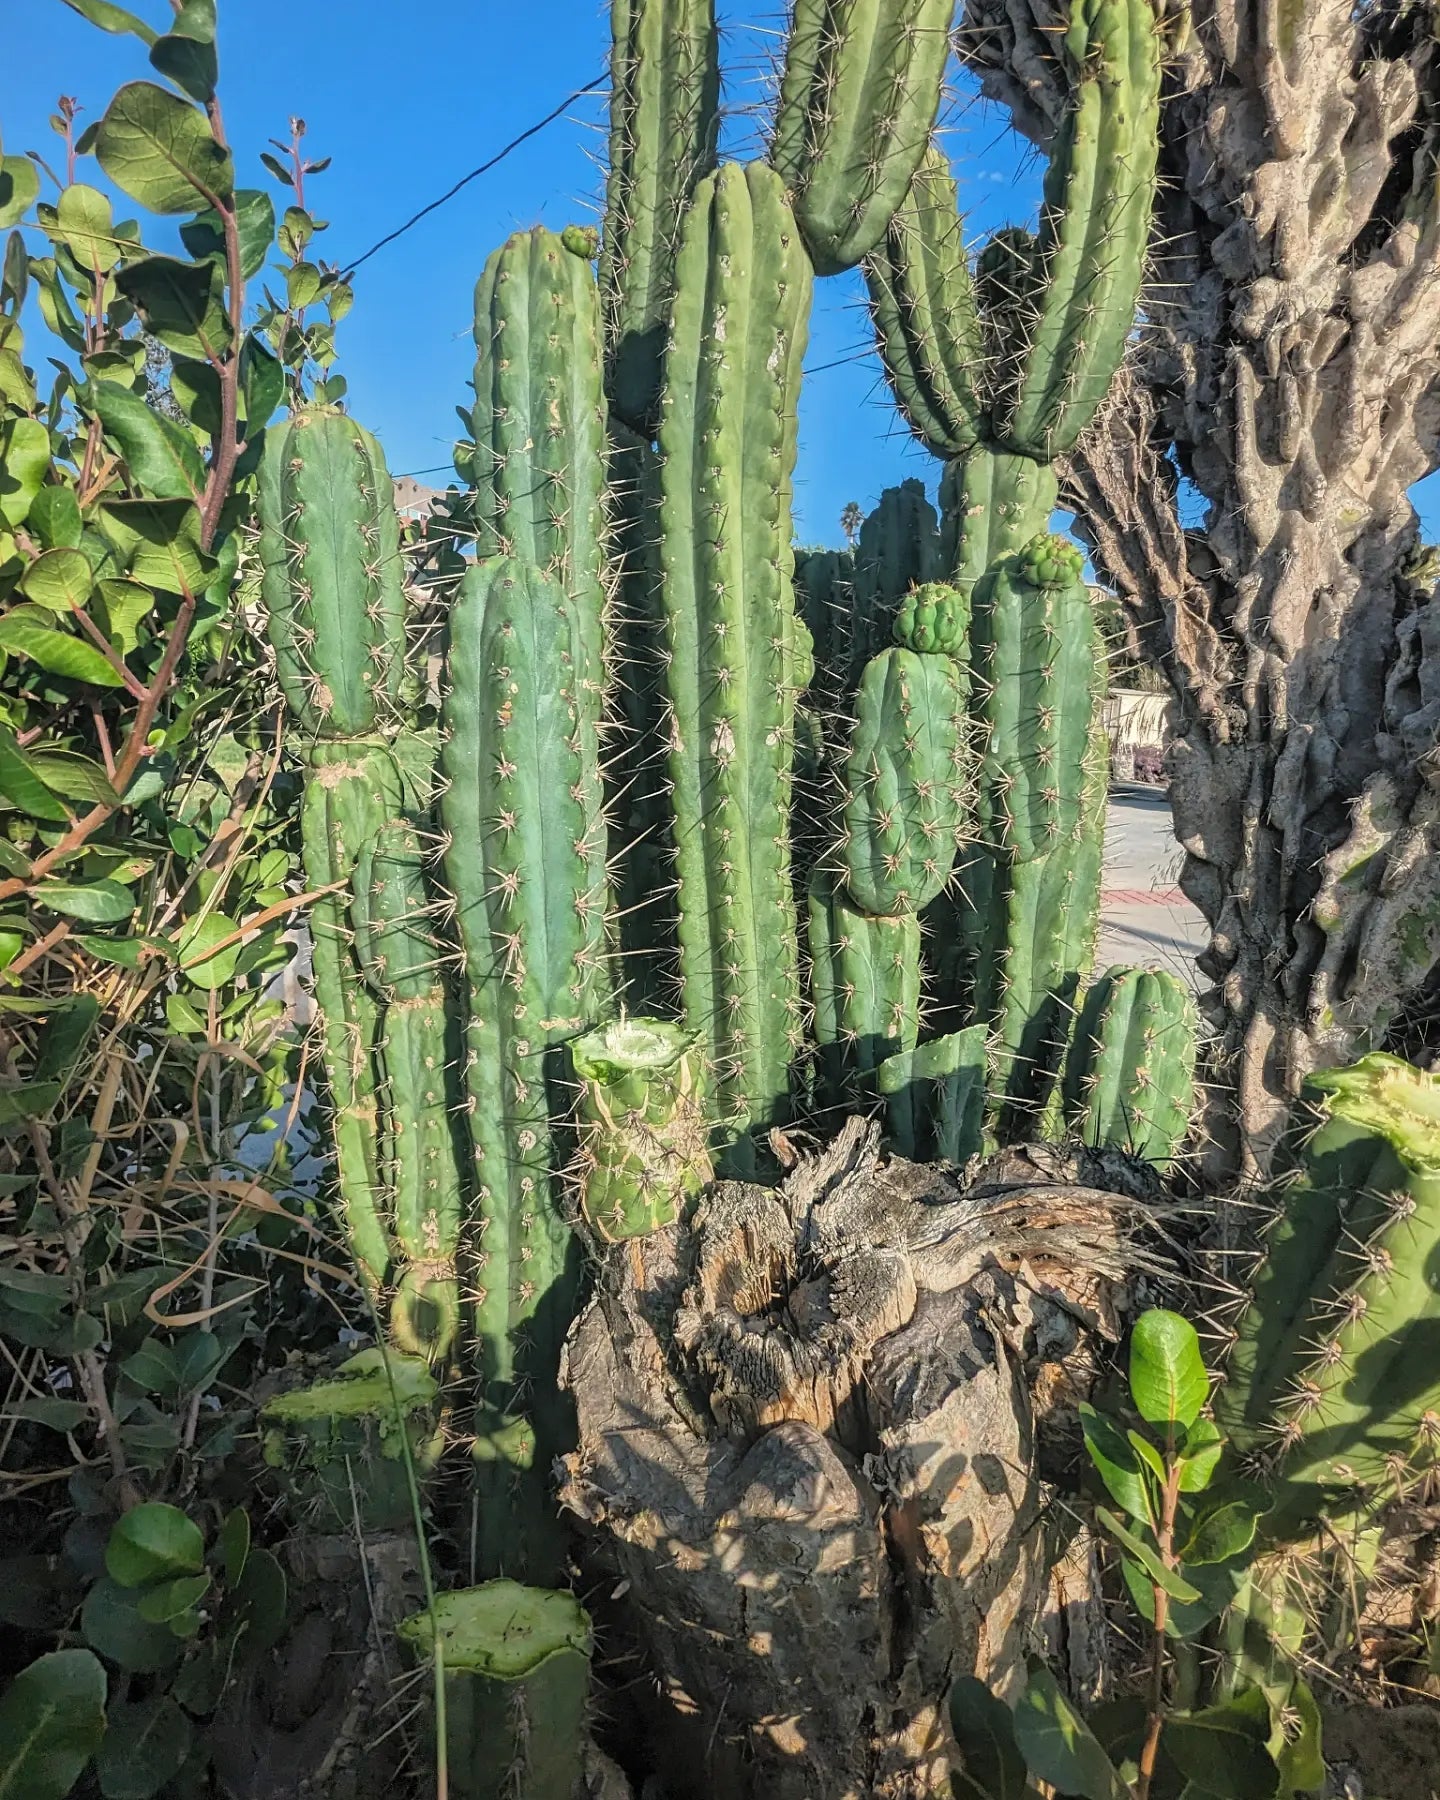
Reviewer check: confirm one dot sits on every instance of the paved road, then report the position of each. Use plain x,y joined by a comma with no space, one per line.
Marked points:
1144,918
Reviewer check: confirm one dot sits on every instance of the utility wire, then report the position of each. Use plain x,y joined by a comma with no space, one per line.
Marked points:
485,167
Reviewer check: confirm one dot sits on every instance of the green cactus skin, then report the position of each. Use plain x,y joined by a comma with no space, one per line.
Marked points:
525,863
1038,672
664,124
398,951
923,307
539,420
336,1444
1130,1070
1008,280
1333,1384
637,781
899,549
350,791
1094,226
332,582
727,444
825,600
935,620
641,1124
858,98
937,1096
864,988
991,505
905,781
517,1683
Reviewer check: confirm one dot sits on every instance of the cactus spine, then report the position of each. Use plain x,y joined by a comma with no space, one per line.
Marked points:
525,862
664,120
727,444
642,1126
858,97
1130,1070
1333,1387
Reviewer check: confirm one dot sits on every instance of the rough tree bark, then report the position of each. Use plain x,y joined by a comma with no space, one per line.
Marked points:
1289,366
812,1433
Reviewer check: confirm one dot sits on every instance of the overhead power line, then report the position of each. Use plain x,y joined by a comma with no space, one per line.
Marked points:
484,169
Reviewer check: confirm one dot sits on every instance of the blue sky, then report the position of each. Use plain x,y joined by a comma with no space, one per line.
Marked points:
406,99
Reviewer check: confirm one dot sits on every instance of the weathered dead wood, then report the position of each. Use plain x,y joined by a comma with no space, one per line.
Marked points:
808,1443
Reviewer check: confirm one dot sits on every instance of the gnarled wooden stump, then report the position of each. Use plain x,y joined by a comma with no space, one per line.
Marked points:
808,1444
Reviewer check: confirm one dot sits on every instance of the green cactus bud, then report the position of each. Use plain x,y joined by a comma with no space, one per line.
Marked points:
332,583
936,1097
858,97
1333,1387
864,988
517,1683
1094,227
934,620
1048,561
539,419
582,241
727,444
641,1124
923,307
664,119
1130,1070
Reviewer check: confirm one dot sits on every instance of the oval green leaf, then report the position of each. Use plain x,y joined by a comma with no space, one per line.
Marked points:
145,1747
153,1542
52,1719
158,149
1059,1747
57,652
95,902
60,580
111,1624
202,965
1168,1380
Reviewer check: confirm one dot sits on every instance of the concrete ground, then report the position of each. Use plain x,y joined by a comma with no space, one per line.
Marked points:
1144,918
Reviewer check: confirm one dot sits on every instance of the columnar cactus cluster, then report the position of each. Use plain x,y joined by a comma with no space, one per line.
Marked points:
662,744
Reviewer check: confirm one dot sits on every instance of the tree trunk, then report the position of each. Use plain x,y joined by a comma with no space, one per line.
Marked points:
814,1430
1289,366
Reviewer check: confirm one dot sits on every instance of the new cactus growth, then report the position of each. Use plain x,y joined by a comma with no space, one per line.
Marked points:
332,583
1130,1069
899,549
1333,1386
727,443
664,118
937,1097
905,781
517,1682
525,863
991,505
858,97
935,620
642,1127
864,988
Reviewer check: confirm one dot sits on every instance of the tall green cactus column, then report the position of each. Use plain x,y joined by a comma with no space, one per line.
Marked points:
664,126
525,864
335,615
727,447
1017,929
858,97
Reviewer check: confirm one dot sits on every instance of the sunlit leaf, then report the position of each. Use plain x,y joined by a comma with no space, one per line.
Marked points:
19,188
24,464
1168,1381
94,902
112,18
204,235
1059,1747
59,652
87,226
59,580
160,151
162,459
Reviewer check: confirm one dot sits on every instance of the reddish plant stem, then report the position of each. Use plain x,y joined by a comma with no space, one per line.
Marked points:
1159,1656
